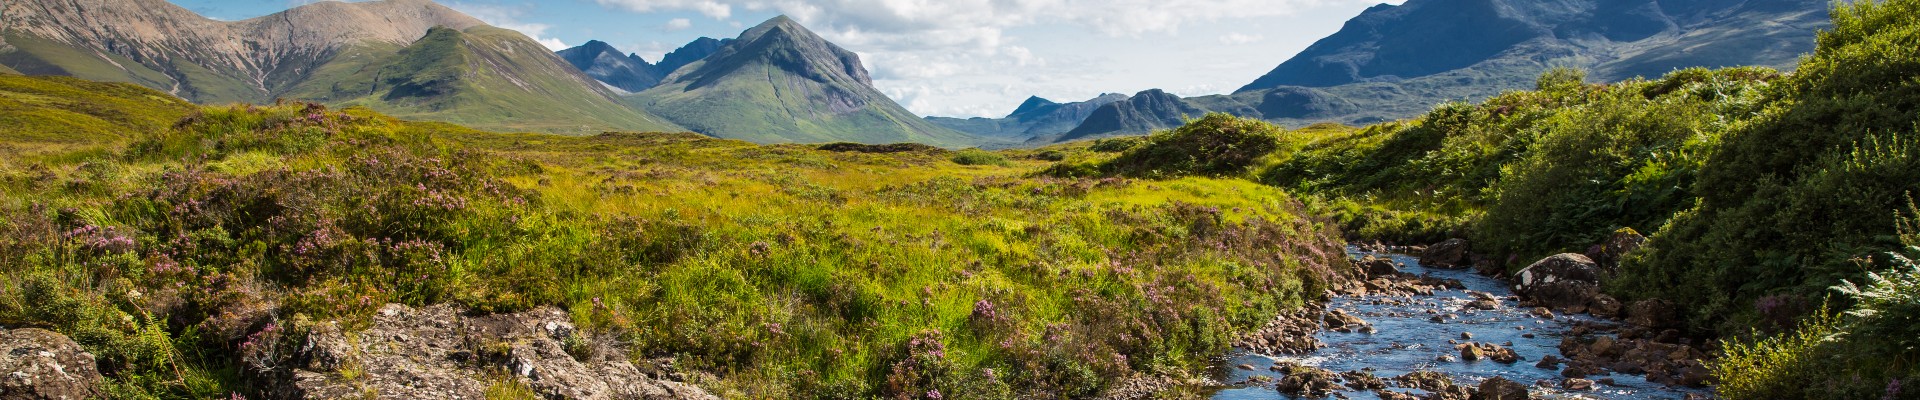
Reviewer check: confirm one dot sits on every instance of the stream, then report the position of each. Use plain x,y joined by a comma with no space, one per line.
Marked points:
1409,340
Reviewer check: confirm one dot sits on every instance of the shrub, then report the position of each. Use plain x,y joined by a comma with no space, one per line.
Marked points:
1793,196
980,157
1215,145
1115,145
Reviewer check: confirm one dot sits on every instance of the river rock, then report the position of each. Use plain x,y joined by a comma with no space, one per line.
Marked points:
40,364
1312,382
440,352
1470,352
1340,321
1438,384
1362,380
1548,362
1576,384
1448,254
1567,283
1542,312
1377,267
1498,388
1567,267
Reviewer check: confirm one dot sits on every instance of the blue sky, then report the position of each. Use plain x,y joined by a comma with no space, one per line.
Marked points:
962,58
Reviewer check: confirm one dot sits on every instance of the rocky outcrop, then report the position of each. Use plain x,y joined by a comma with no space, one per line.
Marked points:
1448,254
39,364
440,352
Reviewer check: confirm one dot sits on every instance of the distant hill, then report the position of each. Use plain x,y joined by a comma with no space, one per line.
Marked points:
378,54
1394,62
779,82
1034,118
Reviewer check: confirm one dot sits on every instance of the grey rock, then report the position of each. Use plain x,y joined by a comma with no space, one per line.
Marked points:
40,364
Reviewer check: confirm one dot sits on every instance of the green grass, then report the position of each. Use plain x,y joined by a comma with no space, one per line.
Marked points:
46,113
783,271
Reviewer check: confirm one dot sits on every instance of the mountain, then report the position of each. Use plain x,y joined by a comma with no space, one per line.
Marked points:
1146,111
602,62
409,58
1616,39
1035,117
1395,62
696,50
778,83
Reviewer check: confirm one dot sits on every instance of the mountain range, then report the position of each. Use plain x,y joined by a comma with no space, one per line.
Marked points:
779,82
1393,62
408,58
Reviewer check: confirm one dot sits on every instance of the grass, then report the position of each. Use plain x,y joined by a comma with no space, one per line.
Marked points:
778,271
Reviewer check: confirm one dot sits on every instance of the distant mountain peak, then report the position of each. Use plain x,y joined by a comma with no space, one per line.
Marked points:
780,82
609,65
1033,103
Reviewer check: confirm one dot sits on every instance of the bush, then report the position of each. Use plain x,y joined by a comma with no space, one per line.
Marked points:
1115,145
1796,194
1215,145
980,157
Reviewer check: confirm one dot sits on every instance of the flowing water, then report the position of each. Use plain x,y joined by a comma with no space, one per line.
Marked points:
1408,340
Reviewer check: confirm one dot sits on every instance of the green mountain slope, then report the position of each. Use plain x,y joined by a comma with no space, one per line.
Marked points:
780,83
483,76
335,52
54,110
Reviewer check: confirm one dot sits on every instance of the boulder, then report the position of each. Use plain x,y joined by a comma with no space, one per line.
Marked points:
1576,384
1448,254
441,352
40,364
1566,267
1497,388
1378,267
1568,283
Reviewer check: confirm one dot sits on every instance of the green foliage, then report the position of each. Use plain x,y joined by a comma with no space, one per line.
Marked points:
1783,366
980,157
45,110
1798,192
1217,145
785,271
1622,159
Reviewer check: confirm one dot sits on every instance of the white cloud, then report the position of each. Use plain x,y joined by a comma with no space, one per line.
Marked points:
1240,38
716,9
678,24
509,18
953,57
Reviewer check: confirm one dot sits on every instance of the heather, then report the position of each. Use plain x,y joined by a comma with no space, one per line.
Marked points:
764,271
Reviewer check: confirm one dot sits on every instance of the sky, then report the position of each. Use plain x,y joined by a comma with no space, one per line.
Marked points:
952,58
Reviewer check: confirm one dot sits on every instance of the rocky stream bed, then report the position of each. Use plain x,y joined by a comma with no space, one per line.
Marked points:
1414,331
